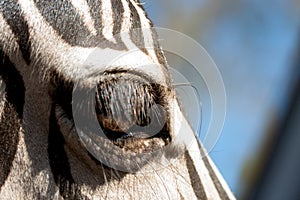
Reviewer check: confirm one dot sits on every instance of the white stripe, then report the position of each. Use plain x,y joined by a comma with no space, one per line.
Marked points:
107,20
126,17
126,25
83,10
2,95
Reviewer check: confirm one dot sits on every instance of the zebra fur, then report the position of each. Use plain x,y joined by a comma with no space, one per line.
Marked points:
43,48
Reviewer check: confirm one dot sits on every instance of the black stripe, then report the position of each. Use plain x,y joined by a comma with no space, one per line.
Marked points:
195,179
96,14
218,185
118,17
59,163
136,33
15,90
161,57
65,20
9,137
158,51
62,16
10,121
118,14
180,195
12,14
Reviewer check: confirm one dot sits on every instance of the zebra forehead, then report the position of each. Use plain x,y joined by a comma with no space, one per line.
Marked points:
80,50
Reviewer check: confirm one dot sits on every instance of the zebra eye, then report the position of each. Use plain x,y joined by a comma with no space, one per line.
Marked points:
130,110
126,107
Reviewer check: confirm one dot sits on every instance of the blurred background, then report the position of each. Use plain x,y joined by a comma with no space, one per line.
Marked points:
256,46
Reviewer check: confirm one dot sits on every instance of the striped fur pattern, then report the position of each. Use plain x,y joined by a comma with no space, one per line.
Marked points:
44,45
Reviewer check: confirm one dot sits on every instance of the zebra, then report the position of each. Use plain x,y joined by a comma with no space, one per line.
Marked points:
43,48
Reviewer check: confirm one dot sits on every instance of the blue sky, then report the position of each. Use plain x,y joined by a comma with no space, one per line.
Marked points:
253,44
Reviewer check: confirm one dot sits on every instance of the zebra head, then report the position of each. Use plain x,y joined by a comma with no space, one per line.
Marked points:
87,107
